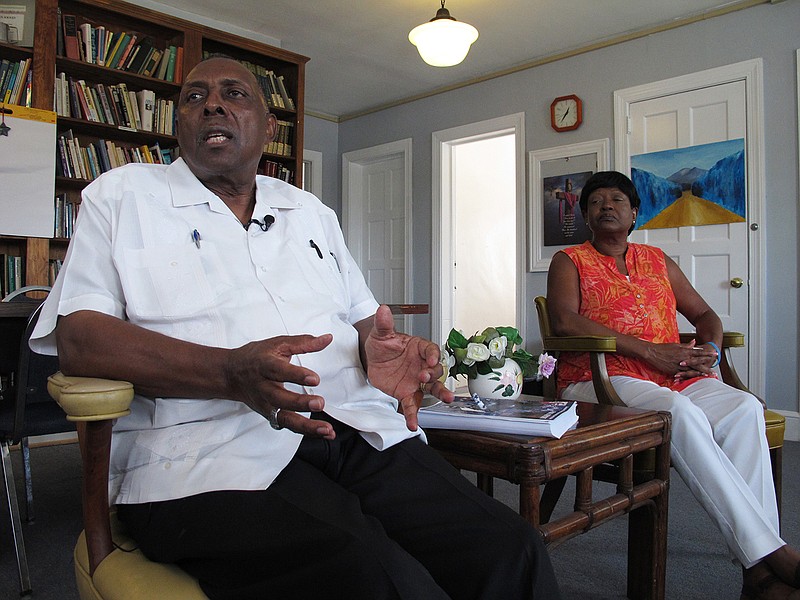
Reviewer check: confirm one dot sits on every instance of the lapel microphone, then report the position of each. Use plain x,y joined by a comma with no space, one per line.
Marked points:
264,224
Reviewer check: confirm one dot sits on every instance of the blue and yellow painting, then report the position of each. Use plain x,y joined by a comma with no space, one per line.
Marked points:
698,185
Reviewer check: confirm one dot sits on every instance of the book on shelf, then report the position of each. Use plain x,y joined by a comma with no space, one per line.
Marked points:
71,46
528,415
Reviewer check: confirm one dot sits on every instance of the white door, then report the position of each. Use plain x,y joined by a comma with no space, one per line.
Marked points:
715,258
378,220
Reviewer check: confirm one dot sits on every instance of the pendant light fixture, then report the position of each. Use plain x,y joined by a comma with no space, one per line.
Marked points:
443,41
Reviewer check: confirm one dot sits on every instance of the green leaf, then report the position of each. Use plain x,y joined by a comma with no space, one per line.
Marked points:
490,333
456,339
483,368
512,335
509,391
496,363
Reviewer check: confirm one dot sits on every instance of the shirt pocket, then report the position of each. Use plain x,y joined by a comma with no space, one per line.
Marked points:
321,272
166,282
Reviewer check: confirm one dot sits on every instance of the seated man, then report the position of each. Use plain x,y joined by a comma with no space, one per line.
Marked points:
258,456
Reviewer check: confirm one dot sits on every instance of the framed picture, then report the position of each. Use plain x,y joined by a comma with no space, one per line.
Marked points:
19,15
556,178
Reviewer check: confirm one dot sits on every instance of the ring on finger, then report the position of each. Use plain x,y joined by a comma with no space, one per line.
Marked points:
423,387
272,417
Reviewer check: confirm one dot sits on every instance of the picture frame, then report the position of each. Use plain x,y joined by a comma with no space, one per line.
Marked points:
556,176
21,15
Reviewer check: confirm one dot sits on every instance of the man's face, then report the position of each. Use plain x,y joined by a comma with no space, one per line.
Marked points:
222,122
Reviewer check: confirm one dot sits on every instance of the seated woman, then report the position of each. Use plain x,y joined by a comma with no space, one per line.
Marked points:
632,291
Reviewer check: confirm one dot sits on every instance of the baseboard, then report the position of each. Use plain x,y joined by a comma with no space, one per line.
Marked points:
792,425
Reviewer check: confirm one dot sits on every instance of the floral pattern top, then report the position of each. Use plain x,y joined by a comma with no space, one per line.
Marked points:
642,305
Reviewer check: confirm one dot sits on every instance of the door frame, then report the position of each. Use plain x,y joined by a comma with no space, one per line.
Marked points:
353,202
441,214
751,72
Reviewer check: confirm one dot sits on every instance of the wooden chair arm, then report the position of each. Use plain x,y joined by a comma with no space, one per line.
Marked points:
94,404
596,346
579,343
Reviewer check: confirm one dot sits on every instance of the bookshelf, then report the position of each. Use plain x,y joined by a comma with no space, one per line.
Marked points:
104,137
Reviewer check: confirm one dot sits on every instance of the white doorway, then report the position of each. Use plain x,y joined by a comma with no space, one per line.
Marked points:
723,262
478,226
377,219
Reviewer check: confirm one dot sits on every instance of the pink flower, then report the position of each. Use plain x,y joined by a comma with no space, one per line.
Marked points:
547,364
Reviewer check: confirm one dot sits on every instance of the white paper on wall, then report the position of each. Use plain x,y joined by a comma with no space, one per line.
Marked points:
27,171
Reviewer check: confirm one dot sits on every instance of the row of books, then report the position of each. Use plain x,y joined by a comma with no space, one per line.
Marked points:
66,213
113,104
273,86
272,169
53,267
15,82
12,273
127,51
88,162
282,145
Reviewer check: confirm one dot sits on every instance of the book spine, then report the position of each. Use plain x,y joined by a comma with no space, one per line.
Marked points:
71,37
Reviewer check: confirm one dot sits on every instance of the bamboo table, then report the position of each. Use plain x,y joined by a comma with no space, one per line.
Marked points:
604,434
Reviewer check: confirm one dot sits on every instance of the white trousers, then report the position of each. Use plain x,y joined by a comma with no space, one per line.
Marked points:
720,450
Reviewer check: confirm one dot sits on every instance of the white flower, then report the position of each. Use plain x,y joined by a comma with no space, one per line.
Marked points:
497,346
476,353
447,359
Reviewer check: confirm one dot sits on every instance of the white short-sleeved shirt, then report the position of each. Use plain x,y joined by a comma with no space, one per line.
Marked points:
134,256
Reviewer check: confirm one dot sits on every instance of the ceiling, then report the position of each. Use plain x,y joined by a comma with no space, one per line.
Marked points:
361,58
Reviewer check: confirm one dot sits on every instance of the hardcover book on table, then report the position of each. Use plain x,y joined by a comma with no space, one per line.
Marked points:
524,416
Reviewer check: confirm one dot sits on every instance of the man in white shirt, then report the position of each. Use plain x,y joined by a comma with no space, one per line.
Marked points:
257,455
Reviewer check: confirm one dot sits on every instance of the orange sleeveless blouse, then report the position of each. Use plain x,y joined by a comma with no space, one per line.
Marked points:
641,305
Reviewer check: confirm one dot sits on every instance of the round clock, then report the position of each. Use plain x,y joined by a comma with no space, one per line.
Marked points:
566,113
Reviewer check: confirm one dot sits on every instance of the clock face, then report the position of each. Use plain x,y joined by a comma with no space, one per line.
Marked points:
566,113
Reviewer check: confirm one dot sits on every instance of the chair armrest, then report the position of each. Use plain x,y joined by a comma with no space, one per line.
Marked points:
580,343
94,404
596,346
89,398
730,339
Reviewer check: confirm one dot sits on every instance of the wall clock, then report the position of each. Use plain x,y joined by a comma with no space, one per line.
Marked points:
566,113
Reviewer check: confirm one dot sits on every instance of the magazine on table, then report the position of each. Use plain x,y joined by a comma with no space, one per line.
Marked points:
524,416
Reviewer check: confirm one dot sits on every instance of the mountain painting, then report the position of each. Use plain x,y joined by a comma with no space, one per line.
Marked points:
698,185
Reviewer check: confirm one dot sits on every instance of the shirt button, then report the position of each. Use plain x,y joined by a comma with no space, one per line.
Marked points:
174,263
638,295
264,269
641,306
168,465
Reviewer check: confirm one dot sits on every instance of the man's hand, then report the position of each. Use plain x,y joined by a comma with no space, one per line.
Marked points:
398,365
257,371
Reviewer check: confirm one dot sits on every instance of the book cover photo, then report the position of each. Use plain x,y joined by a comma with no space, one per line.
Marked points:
524,416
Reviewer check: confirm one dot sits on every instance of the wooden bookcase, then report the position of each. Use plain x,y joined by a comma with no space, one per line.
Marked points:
163,30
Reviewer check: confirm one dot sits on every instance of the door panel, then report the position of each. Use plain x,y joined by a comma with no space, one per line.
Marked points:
710,255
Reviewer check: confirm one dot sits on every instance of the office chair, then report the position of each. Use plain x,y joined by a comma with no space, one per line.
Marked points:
108,565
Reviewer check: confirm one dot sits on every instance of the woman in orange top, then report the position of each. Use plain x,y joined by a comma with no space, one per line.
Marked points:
632,291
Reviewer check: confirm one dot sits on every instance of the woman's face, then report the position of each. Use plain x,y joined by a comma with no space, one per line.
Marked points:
609,210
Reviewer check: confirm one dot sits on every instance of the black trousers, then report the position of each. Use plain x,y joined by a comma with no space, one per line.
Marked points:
346,521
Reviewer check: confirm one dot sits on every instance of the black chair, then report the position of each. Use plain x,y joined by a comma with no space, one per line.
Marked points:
27,410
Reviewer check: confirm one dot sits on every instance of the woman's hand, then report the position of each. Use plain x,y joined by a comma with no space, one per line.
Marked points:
682,361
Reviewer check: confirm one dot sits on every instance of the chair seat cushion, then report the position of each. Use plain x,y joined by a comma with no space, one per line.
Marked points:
776,428
129,575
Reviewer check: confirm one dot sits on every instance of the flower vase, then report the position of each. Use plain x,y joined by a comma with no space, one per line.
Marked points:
504,383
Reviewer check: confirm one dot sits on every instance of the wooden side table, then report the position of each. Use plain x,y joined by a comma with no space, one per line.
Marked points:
603,434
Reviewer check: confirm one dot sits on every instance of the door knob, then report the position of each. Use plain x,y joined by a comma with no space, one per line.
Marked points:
737,282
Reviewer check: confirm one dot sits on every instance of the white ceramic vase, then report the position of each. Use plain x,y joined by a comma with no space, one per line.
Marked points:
504,383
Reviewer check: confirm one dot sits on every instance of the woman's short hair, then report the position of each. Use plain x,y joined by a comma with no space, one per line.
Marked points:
609,179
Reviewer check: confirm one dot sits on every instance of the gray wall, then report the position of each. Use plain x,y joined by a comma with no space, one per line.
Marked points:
767,31
323,136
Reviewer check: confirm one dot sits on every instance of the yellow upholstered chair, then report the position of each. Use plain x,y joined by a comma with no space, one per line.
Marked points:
598,346
108,566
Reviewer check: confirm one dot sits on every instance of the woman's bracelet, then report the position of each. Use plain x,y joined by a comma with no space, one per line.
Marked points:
713,345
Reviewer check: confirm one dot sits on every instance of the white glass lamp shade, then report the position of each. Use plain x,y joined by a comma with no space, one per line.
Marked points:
443,42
